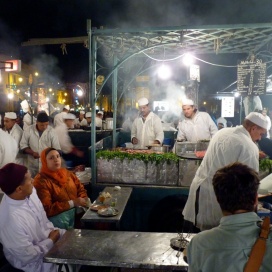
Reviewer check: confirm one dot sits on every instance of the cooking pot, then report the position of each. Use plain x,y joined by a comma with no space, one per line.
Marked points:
164,148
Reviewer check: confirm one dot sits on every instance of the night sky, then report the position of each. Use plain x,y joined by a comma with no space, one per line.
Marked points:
21,20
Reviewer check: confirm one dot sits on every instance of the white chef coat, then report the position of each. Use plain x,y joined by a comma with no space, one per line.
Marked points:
16,133
228,145
27,121
24,231
82,123
200,127
147,131
98,122
8,148
58,119
66,145
221,120
32,140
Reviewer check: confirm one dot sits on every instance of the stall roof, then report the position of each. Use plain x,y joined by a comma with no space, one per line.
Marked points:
206,39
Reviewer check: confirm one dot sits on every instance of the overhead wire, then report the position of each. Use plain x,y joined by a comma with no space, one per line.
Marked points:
180,56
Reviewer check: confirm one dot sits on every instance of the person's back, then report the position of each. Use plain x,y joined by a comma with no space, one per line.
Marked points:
228,145
226,248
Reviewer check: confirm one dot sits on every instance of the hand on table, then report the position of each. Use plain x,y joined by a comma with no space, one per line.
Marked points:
54,235
80,202
134,140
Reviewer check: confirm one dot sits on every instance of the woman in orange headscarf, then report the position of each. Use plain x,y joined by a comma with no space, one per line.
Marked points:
58,189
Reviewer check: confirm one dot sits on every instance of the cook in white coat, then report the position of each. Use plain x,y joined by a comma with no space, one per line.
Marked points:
35,139
89,118
15,132
28,120
147,128
99,119
66,145
227,146
8,148
25,232
80,121
196,125
58,119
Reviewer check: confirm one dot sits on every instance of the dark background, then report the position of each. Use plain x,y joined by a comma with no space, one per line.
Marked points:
21,20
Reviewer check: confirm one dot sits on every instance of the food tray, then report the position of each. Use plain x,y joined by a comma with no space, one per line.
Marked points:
104,212
97,207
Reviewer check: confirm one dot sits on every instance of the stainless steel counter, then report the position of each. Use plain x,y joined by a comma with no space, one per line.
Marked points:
122,199
145,250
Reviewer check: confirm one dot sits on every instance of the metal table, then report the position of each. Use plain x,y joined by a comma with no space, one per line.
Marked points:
122,199
145,250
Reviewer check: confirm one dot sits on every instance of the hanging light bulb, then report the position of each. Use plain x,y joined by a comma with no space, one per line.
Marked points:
164,71
188,59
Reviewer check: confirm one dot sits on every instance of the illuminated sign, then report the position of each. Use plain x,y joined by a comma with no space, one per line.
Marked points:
13,66
227,107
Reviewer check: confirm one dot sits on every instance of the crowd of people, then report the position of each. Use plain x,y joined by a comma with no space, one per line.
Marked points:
222,199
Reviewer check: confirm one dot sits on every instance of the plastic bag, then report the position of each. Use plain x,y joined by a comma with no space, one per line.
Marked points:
64,220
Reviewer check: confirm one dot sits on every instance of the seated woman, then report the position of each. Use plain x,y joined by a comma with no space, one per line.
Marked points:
59,190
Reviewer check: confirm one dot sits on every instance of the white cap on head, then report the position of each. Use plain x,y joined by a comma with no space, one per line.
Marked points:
143,101
69,116
258,119
82,112
101,112
10,115
67,107
187,102
88,114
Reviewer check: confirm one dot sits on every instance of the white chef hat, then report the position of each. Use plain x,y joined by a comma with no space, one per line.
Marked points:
143,101
67,107
88,114
258,119
187,102
10,115
69,116
82,112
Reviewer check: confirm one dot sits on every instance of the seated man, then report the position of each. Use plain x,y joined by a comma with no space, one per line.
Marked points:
25,232
228,246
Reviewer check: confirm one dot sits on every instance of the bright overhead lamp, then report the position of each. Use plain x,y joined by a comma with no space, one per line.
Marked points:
164,72
188,59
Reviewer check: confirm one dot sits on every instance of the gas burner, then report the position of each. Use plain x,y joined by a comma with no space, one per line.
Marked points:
181,242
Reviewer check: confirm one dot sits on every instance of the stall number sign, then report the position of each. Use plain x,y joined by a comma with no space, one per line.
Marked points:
227,107
251,77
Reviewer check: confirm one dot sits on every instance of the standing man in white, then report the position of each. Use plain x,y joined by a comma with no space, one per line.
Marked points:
15,132
58,119
28,119
229,145
197,125
147,128
35,139
8,148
